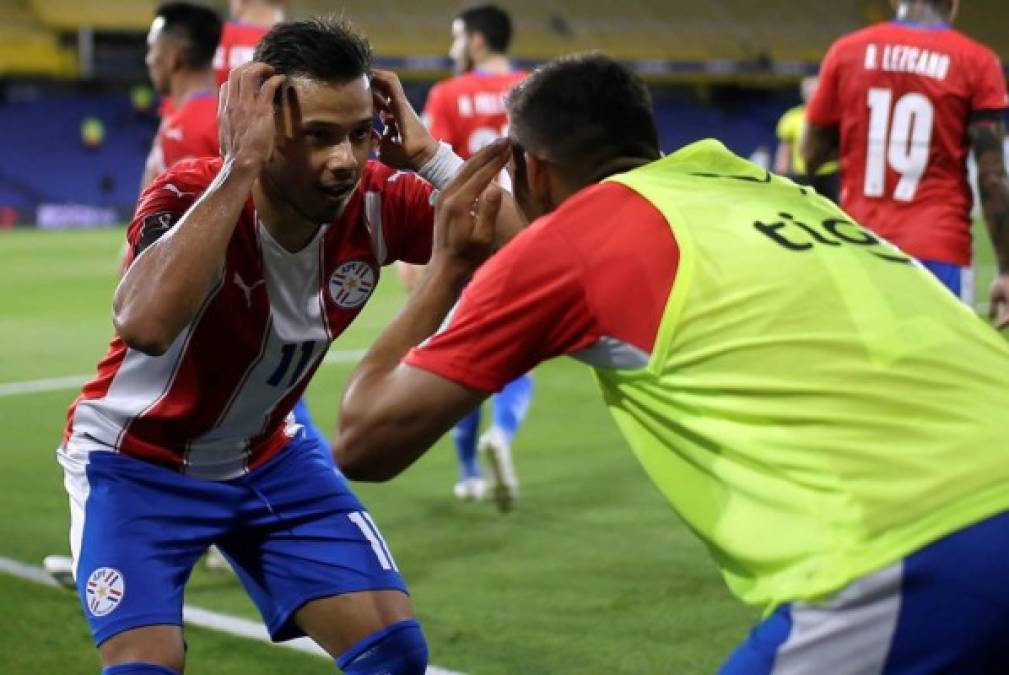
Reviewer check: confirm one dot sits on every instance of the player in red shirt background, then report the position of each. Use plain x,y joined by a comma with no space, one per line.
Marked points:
250,21
903,103
180,48
468,112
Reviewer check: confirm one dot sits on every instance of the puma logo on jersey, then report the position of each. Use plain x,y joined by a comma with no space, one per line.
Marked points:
174,133
176,191
246,288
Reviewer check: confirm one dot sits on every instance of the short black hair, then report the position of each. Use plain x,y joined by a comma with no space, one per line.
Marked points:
198,27
581,111
324,48
490,21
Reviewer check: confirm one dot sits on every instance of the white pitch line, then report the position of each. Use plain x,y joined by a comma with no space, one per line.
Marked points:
48,384
197,616
75,381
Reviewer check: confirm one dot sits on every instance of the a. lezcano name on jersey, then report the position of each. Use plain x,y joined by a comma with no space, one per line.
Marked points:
482,103
907,59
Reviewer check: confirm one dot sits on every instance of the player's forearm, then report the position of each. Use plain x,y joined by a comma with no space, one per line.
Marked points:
987,142
423,313
163,289
995,205
819,145
383,430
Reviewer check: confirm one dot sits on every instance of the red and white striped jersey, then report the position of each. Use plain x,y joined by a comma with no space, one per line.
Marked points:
216,404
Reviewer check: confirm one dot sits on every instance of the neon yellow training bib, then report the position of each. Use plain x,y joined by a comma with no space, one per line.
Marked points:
817,406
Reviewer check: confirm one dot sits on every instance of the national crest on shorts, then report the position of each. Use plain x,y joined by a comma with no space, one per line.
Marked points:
105,590
351,284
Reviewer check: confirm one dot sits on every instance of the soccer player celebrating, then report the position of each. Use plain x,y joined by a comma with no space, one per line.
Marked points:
468,112
903,103
242,270
827,418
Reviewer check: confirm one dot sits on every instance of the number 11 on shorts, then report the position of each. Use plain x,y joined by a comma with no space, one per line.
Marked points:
371,533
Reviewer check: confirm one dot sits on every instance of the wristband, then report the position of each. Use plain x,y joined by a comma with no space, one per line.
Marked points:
442,168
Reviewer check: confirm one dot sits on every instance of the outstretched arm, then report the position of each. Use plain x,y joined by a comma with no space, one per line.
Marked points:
391,413
164,287
987,133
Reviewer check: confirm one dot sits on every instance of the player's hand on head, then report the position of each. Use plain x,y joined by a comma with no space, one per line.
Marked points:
467,209
999,307
405,143
247,116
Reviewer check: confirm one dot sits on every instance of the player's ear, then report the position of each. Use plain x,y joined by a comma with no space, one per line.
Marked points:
538,179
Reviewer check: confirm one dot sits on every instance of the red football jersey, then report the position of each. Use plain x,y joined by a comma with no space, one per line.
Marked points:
468,111
189,131
238,42
216,404
902,96
544,294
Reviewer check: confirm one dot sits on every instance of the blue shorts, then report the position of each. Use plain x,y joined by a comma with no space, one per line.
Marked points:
292,529
959,280
944,609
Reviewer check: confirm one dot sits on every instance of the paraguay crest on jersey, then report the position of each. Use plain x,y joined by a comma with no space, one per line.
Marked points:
352,283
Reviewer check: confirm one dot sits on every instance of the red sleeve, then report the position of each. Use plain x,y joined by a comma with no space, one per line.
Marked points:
527,304
824,108
161,206
990,91
407,218
436,114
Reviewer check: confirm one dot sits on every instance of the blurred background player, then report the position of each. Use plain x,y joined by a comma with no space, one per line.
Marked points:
250,21
788,158
903,103
180,50
468,112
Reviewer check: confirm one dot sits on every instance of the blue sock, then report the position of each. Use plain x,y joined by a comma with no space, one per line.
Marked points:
304,418
464,434
511,405
398,649
138,668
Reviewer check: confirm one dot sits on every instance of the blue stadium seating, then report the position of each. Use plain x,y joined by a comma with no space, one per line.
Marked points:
44,161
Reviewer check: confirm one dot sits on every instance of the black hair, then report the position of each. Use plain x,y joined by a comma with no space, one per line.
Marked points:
199,28
322,48
580,112
490,21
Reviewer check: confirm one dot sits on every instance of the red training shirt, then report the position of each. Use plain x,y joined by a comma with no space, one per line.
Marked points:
590,279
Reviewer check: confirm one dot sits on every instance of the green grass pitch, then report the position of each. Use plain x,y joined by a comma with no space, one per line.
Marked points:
592,574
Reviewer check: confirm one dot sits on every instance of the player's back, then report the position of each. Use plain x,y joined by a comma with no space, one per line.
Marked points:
238,43
902,96
190,130
468,111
